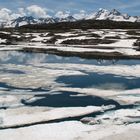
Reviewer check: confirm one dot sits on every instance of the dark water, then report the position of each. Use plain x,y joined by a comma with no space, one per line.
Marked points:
69,99
96,80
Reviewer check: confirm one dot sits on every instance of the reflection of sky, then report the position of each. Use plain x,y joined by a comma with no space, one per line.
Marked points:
35,58
106,81
117,86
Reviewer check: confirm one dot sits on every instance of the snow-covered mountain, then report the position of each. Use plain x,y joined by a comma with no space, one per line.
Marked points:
114,15
101,14
20,21
31,20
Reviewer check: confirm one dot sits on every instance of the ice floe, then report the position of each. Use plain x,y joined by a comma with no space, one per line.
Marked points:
13,117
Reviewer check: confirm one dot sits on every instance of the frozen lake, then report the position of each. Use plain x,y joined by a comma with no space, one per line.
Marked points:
50,81
52,90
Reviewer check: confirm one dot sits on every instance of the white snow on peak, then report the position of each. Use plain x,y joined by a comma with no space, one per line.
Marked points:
103,14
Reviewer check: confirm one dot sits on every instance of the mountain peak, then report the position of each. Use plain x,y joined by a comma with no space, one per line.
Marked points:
115,12
101,10
101,14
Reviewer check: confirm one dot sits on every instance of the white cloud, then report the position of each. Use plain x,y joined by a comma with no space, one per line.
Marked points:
14,16
81,15
61,14
33,10
22,11
5,14
37,11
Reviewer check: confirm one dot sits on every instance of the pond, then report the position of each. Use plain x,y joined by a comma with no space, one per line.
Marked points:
68,99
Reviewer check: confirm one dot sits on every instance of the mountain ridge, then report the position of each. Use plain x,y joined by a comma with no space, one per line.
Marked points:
101,14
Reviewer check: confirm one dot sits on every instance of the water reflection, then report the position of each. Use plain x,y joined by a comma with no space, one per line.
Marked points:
14,57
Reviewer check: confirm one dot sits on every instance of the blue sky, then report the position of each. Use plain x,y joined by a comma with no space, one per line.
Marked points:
131,7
